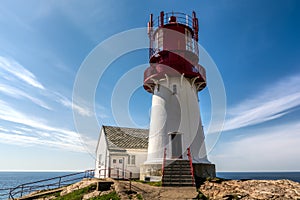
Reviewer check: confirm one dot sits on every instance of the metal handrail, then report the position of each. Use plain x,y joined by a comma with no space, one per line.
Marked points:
117,174
4,192
163,19
182,18
191,164
57,182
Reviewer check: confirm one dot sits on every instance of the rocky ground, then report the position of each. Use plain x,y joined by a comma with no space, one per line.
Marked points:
231,189
214,189
252,189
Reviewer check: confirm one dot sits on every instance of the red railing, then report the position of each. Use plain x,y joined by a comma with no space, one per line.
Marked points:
191,164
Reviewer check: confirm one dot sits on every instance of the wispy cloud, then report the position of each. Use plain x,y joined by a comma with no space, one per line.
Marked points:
274,102
83,108
36,131
16,93
11,69
22,127
17,70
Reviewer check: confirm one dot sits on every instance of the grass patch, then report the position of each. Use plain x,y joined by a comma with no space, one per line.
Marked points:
55,194
110,196
157,184
201,196
216,180
139,197
77,194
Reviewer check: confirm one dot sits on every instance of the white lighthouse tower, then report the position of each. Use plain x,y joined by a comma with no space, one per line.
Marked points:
174,77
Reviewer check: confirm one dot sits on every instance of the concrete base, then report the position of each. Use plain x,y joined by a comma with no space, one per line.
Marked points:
204,170
150,172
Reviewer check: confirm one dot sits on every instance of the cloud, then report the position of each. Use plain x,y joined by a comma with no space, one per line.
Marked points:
275,148
83,108
23,74
16,93
17,70
35,131
274,102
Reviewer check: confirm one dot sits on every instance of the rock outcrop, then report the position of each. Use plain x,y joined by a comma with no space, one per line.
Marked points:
251,189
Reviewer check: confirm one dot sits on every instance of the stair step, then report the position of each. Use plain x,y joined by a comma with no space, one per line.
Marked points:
183,164
178,176
178,162
185,177
177,172
177,168
178,181
178,184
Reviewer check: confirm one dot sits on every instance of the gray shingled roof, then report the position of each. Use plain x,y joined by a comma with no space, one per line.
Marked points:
126,138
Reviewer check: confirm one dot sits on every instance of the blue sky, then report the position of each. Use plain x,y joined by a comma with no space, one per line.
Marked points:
255,44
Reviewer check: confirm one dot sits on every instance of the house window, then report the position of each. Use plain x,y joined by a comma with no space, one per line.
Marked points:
114,161
120,161
131,160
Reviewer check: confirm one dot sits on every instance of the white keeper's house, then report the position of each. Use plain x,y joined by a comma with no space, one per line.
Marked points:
120,151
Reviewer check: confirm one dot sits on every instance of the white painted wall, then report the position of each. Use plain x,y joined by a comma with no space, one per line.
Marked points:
140,158
175,112
101,166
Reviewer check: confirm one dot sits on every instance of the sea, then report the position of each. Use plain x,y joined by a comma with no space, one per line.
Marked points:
10,180
13,179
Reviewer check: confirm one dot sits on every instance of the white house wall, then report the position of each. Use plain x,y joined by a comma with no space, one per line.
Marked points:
140,158
118,169
101,168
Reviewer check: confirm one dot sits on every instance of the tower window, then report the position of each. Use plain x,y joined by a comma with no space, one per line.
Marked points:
174,89
157,88
188,40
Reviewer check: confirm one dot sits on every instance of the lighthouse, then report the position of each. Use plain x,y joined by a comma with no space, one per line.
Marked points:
174,79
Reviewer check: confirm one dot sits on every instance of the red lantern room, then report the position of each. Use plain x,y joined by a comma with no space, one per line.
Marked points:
174,49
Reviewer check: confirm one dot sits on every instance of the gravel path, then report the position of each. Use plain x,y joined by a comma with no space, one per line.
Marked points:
152,193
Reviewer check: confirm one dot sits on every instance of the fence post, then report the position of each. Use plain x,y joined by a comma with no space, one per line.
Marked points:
10,196
130,177
59,181
22,190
